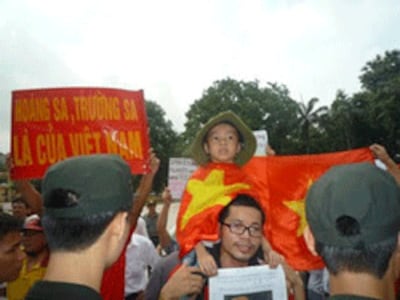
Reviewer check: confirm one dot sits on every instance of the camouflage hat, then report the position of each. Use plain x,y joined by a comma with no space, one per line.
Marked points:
96,183
361,191
246,138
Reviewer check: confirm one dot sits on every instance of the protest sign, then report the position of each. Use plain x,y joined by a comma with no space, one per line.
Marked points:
262,142
49,125
250,283
180,170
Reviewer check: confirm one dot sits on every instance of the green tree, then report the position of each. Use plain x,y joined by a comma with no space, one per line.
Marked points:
163,140
309,119
268,108
379,102
338,123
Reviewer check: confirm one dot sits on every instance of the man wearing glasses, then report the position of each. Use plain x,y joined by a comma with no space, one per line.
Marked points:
241,232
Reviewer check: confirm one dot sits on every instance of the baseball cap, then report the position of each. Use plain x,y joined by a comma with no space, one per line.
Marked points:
246,138
32,222
96,183
361,191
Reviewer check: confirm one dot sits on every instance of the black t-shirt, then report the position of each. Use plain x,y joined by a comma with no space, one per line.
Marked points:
51,290
215,252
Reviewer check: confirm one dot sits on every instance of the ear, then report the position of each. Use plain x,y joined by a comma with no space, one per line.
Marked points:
119,225
205,147
310,240
398,242
238,148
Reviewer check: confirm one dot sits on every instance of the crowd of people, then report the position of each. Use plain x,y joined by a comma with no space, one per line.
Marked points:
88,235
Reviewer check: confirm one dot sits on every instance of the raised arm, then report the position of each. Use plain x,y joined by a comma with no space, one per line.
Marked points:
144,188
27,191
380,152
165,238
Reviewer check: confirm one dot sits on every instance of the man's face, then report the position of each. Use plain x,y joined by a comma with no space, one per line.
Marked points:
11,256
34,241
151,208
19,210
222,143
237,249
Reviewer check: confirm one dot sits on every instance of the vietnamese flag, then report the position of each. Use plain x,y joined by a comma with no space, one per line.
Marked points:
282,183
210,188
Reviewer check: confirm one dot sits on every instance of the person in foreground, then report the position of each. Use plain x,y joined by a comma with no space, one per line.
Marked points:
113,282
86,222
353,212
241,234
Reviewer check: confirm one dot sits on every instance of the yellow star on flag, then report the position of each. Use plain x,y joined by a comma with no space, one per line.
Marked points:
298,207
209,192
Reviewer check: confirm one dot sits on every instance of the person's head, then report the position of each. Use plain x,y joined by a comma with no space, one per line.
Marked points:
151,206
33,238
353,212
87,200
11,254
224,138
241,230
20,208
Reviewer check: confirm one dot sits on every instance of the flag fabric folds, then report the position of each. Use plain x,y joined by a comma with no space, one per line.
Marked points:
282,183
208,190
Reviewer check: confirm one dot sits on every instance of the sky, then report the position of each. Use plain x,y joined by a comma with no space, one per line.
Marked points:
174,50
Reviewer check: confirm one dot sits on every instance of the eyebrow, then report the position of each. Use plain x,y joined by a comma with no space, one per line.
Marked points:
241,221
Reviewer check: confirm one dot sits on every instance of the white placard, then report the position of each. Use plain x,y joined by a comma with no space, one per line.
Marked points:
179,172
252,283
262,142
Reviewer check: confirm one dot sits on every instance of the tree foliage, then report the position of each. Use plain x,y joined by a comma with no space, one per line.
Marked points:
259,107
162,139
369,116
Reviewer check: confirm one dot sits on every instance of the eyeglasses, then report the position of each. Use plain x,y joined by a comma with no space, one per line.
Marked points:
29,233
239,229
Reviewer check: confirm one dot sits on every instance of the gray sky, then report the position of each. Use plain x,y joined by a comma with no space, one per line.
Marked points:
176,49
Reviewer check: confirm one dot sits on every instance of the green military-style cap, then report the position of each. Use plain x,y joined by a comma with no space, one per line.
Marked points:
96,183
361,191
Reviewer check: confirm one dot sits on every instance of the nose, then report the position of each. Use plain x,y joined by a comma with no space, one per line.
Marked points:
246,232
223,140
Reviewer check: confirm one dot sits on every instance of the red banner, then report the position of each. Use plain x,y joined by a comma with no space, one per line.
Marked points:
283,182
49,125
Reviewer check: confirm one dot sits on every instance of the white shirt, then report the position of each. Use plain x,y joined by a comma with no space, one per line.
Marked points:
141,227
140,254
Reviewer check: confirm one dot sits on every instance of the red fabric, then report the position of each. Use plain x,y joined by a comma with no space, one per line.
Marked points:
113,283
208,190
282,183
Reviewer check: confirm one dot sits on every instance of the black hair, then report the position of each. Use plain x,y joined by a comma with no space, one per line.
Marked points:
372,259
73,234
241,200
19,199
9,223
362,258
